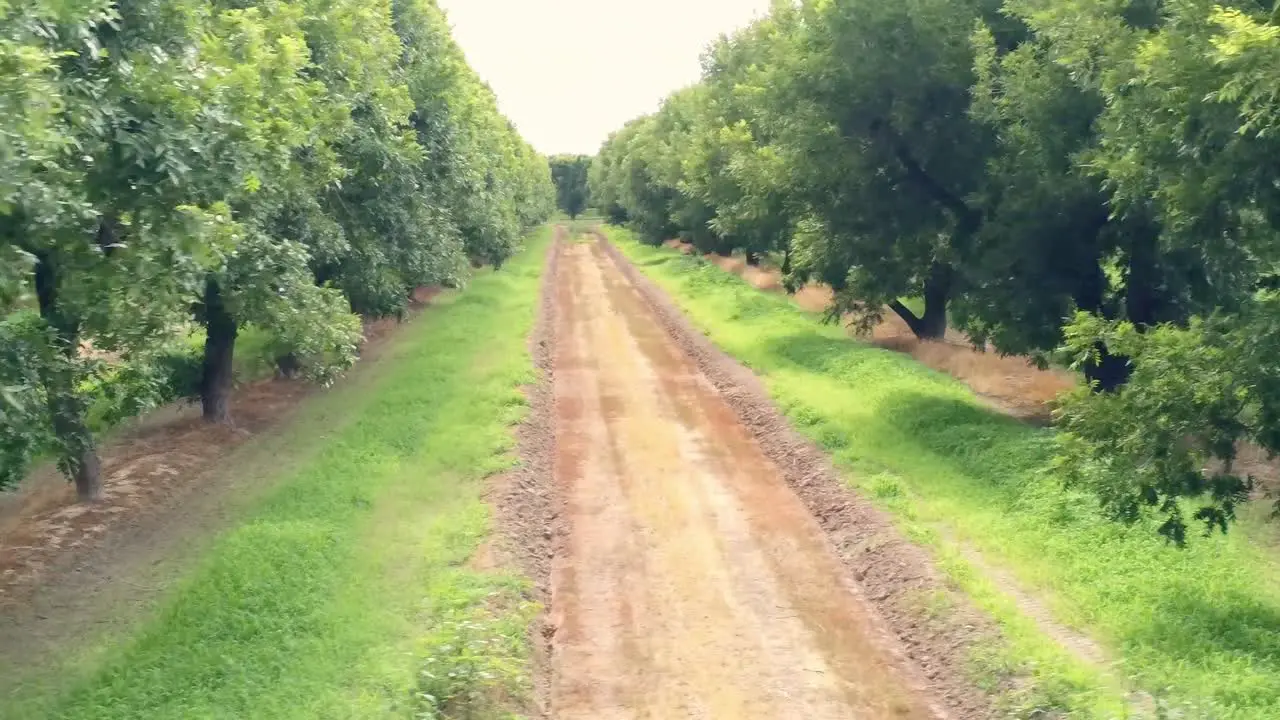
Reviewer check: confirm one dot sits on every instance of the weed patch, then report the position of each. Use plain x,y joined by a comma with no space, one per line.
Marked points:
475,661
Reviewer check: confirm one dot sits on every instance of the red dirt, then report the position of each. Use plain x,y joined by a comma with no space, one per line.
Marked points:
1010,383
939,627
693,582
424,295
526,506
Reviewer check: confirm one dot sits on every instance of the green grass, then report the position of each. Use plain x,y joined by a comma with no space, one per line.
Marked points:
583,223
344,591
1199,628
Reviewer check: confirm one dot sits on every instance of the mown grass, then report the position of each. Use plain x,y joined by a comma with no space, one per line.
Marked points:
345,592
1198,628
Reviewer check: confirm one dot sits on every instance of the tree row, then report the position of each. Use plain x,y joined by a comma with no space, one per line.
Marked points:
213,164
1092,182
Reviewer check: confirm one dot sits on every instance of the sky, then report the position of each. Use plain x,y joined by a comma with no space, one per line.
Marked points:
569,72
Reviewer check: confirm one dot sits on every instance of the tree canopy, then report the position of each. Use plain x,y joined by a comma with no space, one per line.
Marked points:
284,164
570,175
1087,181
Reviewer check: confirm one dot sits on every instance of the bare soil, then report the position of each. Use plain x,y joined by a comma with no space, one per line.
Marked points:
143,467
1010,383
525,502
708,562
938,626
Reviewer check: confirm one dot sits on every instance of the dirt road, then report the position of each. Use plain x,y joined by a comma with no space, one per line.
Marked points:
694,583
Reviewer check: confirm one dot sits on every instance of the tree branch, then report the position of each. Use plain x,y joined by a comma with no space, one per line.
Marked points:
907,316
968,218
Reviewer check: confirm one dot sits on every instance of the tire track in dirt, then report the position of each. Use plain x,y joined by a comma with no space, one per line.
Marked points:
943,632
693,582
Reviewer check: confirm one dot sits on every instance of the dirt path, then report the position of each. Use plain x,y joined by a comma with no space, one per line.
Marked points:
693,583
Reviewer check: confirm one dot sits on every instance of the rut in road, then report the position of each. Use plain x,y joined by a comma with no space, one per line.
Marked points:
693,582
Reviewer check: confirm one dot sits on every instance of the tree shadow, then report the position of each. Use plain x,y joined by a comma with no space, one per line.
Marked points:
933,413
477,300
1186,623
655,261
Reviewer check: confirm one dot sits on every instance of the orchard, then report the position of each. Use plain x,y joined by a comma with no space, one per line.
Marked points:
196,167
1086,183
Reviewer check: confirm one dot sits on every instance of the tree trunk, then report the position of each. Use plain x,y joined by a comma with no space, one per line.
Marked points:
80,456
1143,305
219,352
1109,373
937,291
324,273
968,221
79,459
1142,280
788,282
288,366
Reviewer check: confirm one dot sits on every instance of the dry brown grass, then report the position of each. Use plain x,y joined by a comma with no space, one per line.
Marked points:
1011,383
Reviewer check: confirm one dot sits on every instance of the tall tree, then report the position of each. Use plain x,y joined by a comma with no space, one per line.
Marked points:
570,175
891,158
277,123
274,162
1052,241
604,178
737,164
116,257
1188,132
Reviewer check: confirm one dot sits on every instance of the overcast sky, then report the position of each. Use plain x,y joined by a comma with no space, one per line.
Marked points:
569,72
